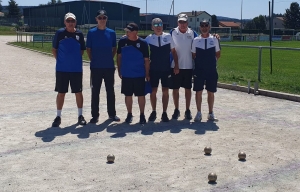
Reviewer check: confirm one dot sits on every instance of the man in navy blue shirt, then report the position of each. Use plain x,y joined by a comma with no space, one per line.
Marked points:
161,44
68,47
133,68
101,49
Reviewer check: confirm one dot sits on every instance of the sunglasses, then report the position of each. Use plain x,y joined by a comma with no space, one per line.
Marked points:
158,25
204,25
70,21
182,22
101,18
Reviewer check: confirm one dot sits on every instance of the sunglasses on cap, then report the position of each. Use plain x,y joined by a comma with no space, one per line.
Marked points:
204,25
157,24
182,22
102,18
70,21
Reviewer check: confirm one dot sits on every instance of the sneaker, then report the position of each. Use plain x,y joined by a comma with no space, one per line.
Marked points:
114,118
211,117
152,116
198,116
142,119
56,122
188,114
164,117
81,120
128,118
176,114
94,120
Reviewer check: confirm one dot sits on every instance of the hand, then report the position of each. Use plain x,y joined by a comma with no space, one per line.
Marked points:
217,36
120,74
176,70
147,78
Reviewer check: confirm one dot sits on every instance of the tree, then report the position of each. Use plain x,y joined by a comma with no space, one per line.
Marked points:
1,5
250,25
260,22
52,2
214,21
58,1
13,8
292,17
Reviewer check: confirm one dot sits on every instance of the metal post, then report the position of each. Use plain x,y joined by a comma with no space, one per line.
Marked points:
122,14
259,62
26,38
43,40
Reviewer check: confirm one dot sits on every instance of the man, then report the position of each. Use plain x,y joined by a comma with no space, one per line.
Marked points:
68,47
133,68
101,49
206,52
160,45
183,37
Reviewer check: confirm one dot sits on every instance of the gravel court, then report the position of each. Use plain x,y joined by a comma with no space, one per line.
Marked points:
154,157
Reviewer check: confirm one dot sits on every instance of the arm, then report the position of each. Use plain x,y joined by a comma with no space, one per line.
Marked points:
119,63
82,51
89,53
218,55
54,52
175,58
147,68
114,51
218,49
193,55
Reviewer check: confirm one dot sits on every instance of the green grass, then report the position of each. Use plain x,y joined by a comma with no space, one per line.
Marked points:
241,64
7,30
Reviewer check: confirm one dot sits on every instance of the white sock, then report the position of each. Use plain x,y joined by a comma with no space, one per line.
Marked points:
79,111
58,113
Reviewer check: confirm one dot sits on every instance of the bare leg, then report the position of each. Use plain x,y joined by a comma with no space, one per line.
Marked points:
153,98
176,98
198,99
128,102
79,99
142,103
60,98
210,101
188,97
165,98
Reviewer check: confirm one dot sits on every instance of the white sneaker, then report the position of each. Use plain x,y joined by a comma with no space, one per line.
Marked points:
212,117
198,116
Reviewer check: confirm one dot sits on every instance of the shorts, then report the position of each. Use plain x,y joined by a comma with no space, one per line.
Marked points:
64,78
155,76
132,86
182,79
210,80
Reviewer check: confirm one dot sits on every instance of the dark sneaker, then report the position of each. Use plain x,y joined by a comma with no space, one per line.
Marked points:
56,122
164,117
188,115
81,120
114,118
128,118
176,114
142,119
94,120
152,116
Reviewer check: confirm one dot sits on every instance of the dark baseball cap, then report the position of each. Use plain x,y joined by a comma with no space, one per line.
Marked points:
101,13
204,21
131,27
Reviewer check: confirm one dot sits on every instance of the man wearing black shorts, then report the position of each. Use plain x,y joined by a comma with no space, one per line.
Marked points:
133,68
67,47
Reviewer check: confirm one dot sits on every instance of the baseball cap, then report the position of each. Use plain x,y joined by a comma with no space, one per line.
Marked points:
131,27
70,15
204,21
101,13
182,17
156,21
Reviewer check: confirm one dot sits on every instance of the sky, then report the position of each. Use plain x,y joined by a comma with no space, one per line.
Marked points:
248,9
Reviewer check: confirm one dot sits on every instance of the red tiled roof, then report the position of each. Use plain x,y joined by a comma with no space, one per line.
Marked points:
229,24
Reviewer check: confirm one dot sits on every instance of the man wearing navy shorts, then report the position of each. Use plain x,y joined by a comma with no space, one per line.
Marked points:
133,68
206,52
67,47
101,49
161,44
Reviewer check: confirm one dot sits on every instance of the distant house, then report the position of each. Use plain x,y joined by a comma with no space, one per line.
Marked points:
234,25
195,17
277,23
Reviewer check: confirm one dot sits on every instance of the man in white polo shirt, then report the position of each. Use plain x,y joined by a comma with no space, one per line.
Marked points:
183,38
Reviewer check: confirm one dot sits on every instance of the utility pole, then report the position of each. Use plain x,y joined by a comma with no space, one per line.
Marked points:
241,17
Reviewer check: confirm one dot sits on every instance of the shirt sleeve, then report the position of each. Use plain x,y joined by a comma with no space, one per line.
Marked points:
172,42
114,39
89,40
217,45
145,49
194,46
121,44
55,41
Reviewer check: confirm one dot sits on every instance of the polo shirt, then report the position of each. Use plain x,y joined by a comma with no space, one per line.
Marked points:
183,43
160,47
101,43
69,46
205,49
133,54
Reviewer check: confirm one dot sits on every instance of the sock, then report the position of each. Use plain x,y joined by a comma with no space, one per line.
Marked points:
58,113
79,111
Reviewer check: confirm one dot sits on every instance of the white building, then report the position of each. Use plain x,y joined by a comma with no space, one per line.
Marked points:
195,17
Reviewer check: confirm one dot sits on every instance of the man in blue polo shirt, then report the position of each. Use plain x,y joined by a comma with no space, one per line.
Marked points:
101,49
68,47
206,52
133,68
161,44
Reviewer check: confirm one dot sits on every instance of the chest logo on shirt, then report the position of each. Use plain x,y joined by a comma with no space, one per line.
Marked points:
138,45
77,37
66,37
189,37
165,39
211,43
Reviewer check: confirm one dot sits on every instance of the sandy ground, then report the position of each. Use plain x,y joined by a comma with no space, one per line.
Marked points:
153,157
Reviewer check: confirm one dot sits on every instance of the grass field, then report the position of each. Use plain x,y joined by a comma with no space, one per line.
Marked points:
240,65
7,30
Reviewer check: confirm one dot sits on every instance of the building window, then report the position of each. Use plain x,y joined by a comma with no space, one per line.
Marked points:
191,19
197,19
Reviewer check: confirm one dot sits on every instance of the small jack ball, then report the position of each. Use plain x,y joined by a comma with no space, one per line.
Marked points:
242,155
212,177
110,158
207,150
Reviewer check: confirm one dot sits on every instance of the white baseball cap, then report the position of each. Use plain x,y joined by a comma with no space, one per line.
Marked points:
70,15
